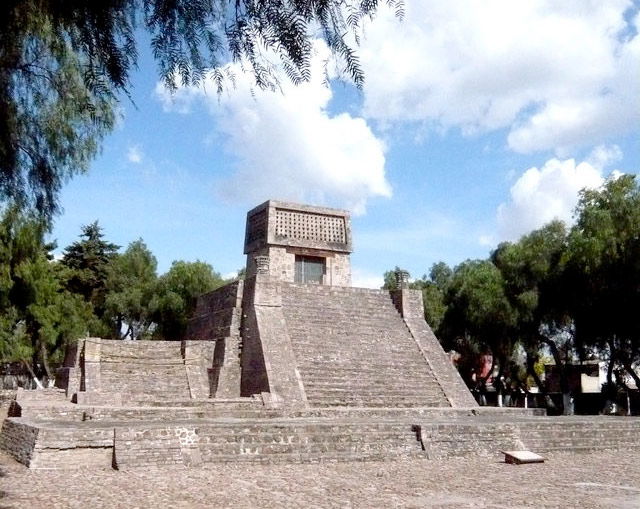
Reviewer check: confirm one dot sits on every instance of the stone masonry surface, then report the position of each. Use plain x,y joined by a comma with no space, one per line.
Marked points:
280,231
353,349
595,480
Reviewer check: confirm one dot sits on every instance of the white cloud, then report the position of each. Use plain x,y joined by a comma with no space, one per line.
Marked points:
135,154
555,74
179,102
604,155
364,279
542,195
287,145
486,240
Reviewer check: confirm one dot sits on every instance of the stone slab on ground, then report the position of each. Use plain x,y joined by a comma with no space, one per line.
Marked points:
595,480
522,457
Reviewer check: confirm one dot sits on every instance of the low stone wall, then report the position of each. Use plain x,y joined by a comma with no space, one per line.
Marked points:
66,447
140,447
466,437
264,442
19,440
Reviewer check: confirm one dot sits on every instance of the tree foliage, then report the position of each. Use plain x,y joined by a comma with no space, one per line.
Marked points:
62,64
176,296
571,294
130,288
38,316
534,277
51,117
478,310
46,304
603,271
87,261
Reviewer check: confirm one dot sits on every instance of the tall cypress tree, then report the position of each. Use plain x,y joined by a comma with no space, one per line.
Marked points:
88,260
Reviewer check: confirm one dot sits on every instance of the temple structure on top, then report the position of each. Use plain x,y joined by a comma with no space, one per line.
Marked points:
299,243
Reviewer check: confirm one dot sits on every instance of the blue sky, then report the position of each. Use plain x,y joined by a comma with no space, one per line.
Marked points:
478,121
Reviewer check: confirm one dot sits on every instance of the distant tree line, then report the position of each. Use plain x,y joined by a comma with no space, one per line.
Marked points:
93,290
572,293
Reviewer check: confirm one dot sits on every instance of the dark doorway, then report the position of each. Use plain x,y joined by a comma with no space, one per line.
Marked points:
309,269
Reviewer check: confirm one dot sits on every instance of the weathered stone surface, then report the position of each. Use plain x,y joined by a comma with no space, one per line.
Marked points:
217,318
115,372
353,349
269,364
590,481
409,304
304,439
278,231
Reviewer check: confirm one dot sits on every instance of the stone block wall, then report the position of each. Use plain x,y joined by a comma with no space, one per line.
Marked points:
339,270
280,231
218,318
268,362
217,314
282,264
19,440
410,305
136,447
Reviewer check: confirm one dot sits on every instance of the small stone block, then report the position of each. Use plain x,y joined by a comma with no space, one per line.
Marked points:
520,457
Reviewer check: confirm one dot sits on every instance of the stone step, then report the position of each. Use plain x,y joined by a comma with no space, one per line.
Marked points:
171,414
320,314
41,411
371,347
390,392
303,297
319,365
380,348
355,338
378,387
389,388
381,373
142,370
386,395
342,321
353,349
372,384
370,363
370,402
48,395
418,399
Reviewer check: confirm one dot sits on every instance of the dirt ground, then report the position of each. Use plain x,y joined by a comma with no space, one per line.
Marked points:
603,479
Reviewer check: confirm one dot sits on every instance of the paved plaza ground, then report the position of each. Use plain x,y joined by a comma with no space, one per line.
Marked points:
604,479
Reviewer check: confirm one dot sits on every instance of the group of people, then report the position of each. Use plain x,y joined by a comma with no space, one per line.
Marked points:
509,390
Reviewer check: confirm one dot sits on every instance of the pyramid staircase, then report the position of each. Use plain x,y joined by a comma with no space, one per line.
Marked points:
143,370
352,348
